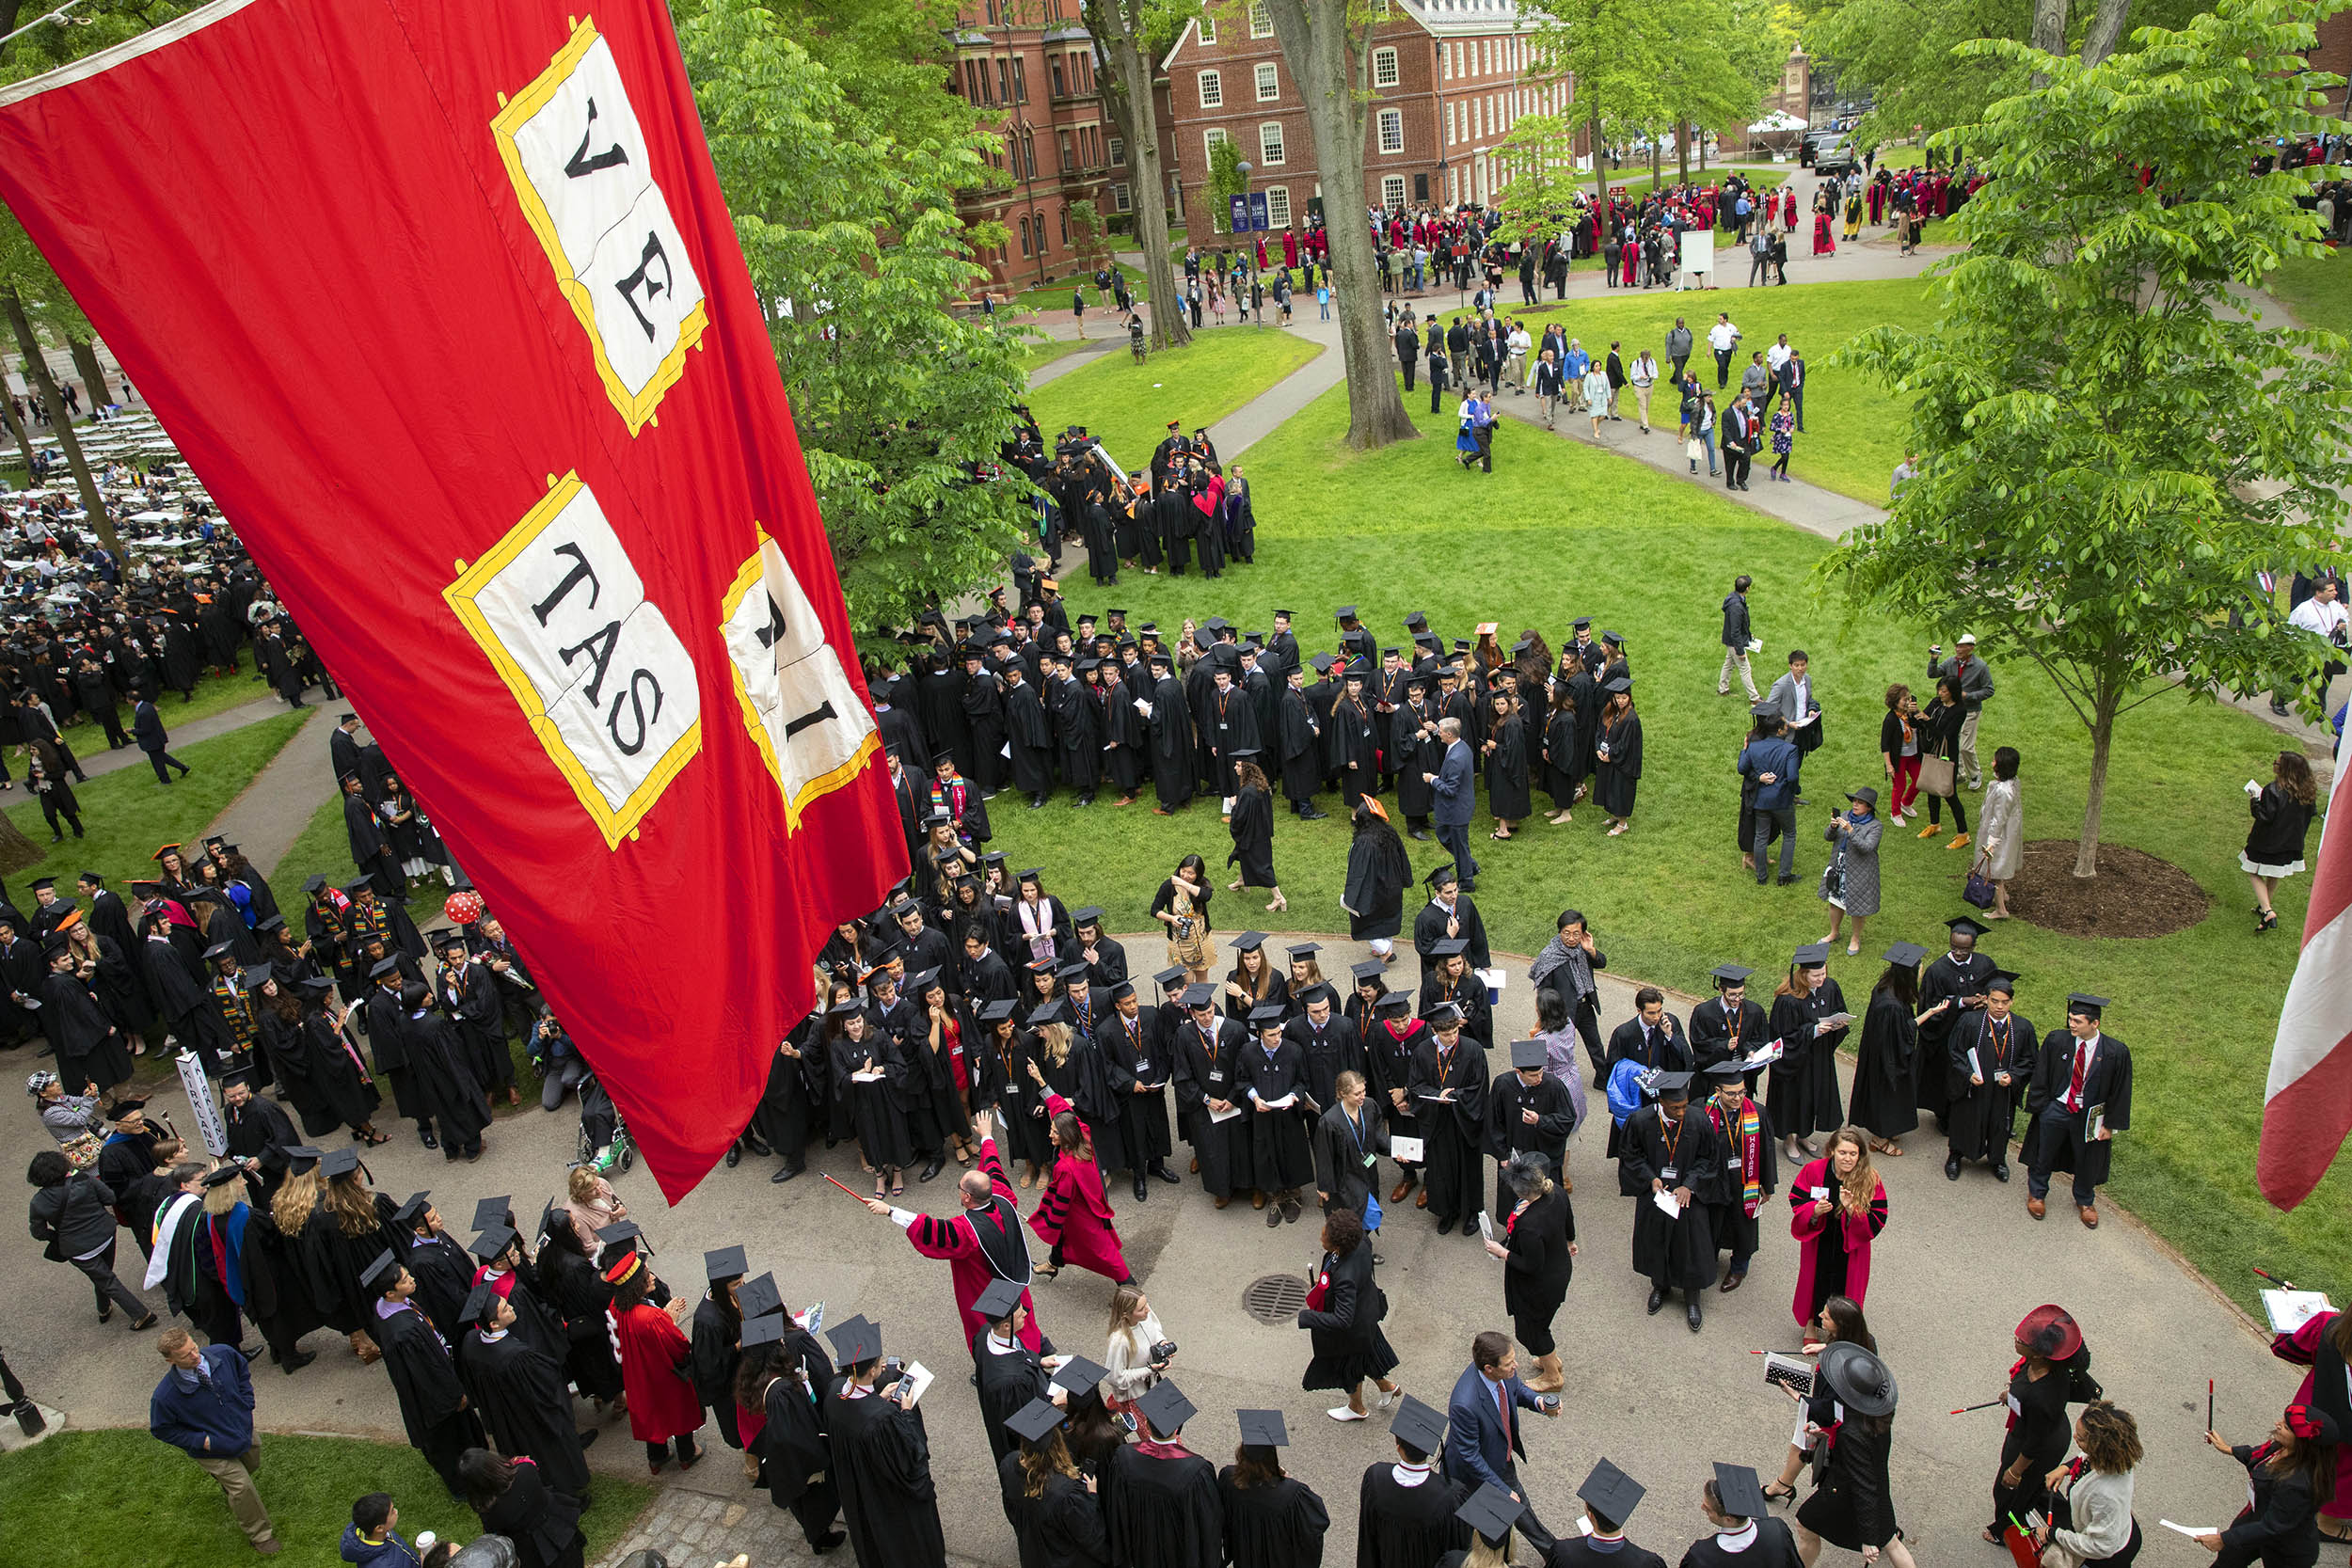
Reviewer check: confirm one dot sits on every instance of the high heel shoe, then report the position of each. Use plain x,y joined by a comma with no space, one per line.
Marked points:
1779,1492
2267,922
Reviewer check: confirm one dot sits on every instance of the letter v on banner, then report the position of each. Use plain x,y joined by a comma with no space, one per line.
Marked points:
444,306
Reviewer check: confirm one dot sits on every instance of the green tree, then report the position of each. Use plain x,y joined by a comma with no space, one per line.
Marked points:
1327,45
2109,449
841,171
1130,36
1724,57
1226,181
1613,53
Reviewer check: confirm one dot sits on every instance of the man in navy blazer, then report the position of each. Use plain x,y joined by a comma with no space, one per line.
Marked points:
1455,786
1482,1442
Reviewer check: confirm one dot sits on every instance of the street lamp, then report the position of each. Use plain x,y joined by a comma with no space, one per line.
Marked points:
1241,166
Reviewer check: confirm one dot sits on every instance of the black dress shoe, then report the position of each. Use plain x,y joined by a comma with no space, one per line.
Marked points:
2000,1172
785,1174
295,1362
1143,1192
1657,1300
1445,1226
1037,803
428,1140
1159,1168
735,1155
1951,1167
938,1163
1786,880
1690,1314
827,1541
1313,816
1420,834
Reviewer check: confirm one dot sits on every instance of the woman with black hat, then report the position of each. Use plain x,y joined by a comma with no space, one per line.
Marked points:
1853,1506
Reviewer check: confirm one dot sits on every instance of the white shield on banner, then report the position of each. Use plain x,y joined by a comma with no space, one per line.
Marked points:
202,1103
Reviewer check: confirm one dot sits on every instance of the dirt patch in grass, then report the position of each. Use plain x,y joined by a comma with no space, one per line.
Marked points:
2135,895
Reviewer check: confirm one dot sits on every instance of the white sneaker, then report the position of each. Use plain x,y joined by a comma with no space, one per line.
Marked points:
1343,1413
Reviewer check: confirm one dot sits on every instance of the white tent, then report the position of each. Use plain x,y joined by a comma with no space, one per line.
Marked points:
1777,122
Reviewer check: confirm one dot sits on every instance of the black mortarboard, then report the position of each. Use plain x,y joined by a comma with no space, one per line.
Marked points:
1369,970
1074,972
1323,663
382,1275
1263,1428
1441,873
1417,1426
1306,950
1034,1421
996,1012
1730,1069
477,1308
1394,1002
1611,638
358,885
2085,1004
1091,915
301,1157
1346,613
1969,925
1445,1015
1124,988
411,1214
1165,1406
766,1329
1730,975
1906,953
1201,995
339,1162
387,965
259,976
1738,1492
219,950
998,1301
1049,1013
1449,948
1491,1512
1078,1375
492,1242
493,1210
758,1296
1614,1493
1268,1015
1249,942
1528,1056
225,1174
856,1341
1168,977
317,881
1811,956
726,1263
617,1232
1617,682
846,1006
2004,981
1672,1082
40,882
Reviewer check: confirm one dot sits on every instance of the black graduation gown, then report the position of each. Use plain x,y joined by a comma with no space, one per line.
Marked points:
520,1395
260,1124
1802,1085
1564,762
119,987
432,1400
323,1261
1405,1526
1620,772
1007,1382
1175,767
1980,1119
541,1519
1429,930
370,851
1131,1054
1679,1251
1301,745
1452,1141
1231,726
1077,722
877,1108
444,1275
882,1466
939,699
792,1445
712,1359
1715,1032
1468,993
1945,977
444,1076
1032,742
1352,737
580,1295
1126,743
1253,827
88,1044
1725,1193
323,1078
1161,1513
1279,1525
1776,1547
1202,1074
788,1103
1507,793
1883,1100
1281,1157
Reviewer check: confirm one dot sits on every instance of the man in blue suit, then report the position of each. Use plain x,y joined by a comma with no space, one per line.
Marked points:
1455,786
1482,1442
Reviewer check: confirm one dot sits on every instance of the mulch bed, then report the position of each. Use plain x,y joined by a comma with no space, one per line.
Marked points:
2135,895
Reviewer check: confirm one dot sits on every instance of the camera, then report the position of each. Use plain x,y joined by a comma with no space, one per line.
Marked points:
1546,1402
1163,1353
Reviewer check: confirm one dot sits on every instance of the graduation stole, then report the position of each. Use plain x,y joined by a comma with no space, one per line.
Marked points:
335,918
370,922
237,1011
1750,1135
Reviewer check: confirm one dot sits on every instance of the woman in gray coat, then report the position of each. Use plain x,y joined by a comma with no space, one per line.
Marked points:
1850,884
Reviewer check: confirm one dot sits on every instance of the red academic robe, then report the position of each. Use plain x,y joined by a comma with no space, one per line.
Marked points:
1076,1212
1823,244
662,1403
1290,248
953,1239
1858,1232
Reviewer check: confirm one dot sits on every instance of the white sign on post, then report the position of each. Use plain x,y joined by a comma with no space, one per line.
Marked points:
1698,254
209,1125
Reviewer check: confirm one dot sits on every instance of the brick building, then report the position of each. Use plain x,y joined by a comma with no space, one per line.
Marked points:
1445,85
1029,66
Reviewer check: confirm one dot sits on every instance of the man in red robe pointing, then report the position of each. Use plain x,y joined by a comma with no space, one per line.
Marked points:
984,1242
662,1404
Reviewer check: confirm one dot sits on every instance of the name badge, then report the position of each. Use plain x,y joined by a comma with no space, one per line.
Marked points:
1820,1195
1217,1077
1143,1068
2016,1406
1735,1168
1368,1160
1670,1173
1012,1090
1222,725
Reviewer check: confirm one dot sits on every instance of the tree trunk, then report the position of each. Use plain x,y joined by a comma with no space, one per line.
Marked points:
2049,33
1682,151
1600,167
2102,740
1126,79
2107,30
16,428
37,369
1328,63
86,366
16,850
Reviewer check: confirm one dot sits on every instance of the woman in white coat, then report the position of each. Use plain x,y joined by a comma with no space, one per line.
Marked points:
2001,830
2095,1493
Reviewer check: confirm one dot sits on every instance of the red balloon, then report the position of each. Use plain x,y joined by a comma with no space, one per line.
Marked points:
463,907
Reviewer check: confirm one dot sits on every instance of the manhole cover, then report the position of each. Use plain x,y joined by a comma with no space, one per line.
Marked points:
1275,1299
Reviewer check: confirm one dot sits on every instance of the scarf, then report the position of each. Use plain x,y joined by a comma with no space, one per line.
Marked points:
1558,954
1751,1136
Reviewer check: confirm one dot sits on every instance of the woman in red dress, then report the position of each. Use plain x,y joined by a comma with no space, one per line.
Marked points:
1789,208
1840,1207
1824,242
1632,260
1075,1216
662,1404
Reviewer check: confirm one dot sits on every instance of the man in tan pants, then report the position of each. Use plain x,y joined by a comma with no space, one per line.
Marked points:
204,1408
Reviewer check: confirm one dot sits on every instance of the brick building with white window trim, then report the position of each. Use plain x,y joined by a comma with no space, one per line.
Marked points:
1447,83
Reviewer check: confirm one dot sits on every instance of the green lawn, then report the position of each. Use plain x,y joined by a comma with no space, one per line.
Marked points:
1853,428
2317,290
127,814
1054,299
1561,529
87,1480
1044,351
1127,406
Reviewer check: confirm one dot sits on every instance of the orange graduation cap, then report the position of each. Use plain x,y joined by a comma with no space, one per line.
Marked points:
167,850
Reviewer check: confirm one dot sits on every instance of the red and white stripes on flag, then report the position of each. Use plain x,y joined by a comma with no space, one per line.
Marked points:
2307,1109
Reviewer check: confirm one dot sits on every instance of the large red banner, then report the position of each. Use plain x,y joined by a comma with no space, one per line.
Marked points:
442,303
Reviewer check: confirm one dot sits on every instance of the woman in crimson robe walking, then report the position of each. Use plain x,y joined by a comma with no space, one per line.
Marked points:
1841,1208
662,1404
1075,1216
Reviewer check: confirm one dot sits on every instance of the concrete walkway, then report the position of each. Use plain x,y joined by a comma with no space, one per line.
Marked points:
1959,1265
90,740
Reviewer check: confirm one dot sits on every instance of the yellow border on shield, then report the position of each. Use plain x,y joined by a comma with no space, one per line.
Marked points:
750,574
613,825
638,410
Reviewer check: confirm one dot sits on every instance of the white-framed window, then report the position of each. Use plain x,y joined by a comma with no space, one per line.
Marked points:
1384,74
1261,19
1211,91
1278,206
1448,125
1455,49
1118,153
1210,139
1391,130
1269,82
1270,148
1122,200
1486,56
1393,191
1208,29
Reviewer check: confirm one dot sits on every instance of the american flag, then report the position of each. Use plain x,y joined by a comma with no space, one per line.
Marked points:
2306,1108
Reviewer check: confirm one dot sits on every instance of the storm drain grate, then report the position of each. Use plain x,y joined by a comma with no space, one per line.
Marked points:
1275,1299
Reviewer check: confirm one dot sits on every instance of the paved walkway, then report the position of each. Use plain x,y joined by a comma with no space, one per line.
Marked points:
265,820
90,740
